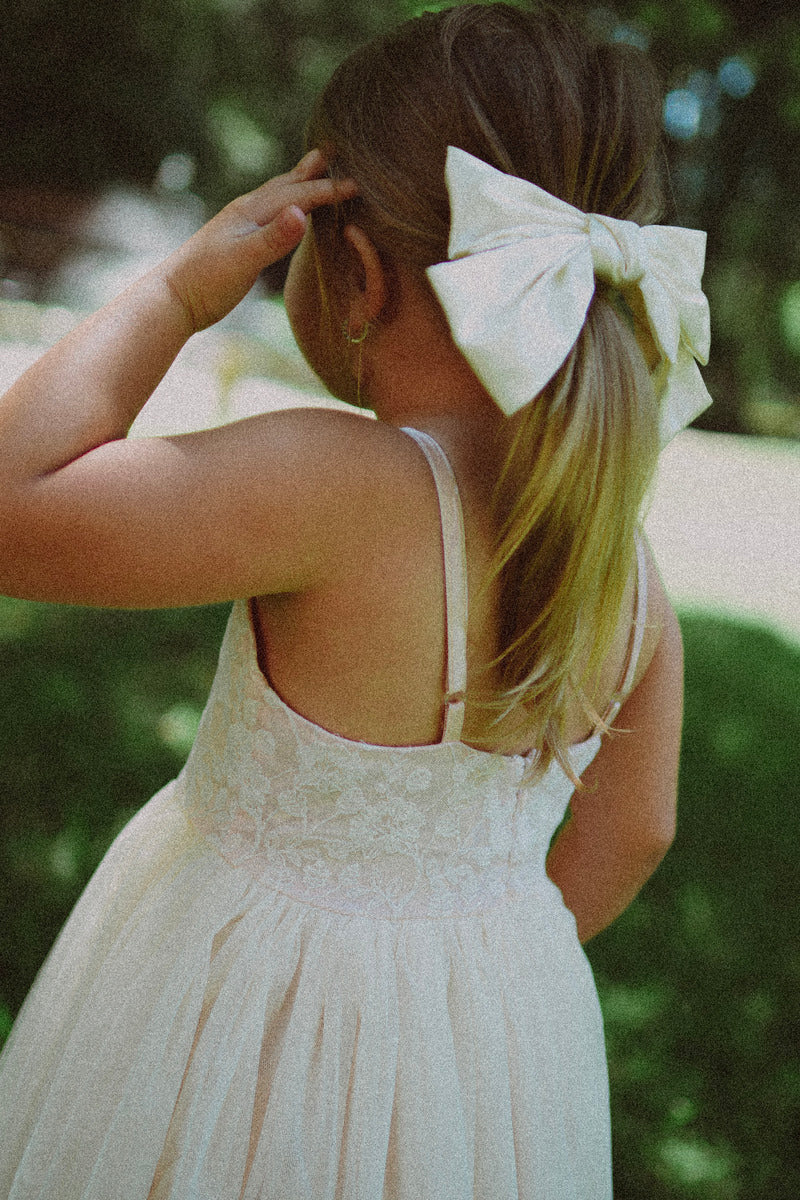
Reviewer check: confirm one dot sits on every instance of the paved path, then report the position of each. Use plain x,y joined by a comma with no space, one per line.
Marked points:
725,518
725,526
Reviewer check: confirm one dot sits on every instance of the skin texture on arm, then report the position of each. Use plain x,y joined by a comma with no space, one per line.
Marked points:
88,517
264,505
622,822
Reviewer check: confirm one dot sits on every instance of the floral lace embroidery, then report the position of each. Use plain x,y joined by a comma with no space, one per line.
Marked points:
426,831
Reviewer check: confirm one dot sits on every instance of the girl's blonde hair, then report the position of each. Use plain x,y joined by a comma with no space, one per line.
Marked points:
529,93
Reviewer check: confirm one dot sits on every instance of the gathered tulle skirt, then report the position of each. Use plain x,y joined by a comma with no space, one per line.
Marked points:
195,1035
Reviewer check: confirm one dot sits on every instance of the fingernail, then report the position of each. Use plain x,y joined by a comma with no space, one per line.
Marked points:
298,212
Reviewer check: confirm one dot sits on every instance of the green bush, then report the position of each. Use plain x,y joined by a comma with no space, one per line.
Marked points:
699,979
98,711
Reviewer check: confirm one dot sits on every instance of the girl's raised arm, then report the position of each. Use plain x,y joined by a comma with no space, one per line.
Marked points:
88,517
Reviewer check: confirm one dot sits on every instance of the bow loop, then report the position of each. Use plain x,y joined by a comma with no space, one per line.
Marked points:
521,275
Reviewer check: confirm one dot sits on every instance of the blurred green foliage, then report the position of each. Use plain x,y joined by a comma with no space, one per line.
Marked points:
95,91
99,709
699,979
701,976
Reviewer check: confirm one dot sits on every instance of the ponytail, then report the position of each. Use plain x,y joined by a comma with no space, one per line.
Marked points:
529,94
568,503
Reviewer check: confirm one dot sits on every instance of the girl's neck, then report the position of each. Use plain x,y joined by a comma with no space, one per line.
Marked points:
468,426
415,376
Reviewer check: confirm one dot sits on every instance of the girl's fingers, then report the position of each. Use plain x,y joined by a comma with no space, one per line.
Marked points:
214,269
309,166
262,205
312,192
276,238
290,225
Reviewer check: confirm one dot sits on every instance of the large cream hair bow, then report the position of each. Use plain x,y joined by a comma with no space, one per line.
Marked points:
521,276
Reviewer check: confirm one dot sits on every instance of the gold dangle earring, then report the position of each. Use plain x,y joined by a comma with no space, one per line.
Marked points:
357,339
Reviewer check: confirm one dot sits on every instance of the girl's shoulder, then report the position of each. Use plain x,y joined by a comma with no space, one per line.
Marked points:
341,449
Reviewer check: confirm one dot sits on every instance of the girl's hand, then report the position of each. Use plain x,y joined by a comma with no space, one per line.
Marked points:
216,268
87,516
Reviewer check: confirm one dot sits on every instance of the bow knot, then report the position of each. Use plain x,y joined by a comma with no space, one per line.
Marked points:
521,276
618,251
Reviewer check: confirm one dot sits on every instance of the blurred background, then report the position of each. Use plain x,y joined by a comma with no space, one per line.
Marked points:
124,123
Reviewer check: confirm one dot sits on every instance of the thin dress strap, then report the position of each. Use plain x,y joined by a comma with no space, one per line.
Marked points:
637,633
455,580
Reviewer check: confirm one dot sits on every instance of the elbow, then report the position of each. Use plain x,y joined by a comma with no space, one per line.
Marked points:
644,845
666,827
656,826
655,843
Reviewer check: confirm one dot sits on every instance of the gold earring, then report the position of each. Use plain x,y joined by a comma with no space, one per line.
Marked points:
357,339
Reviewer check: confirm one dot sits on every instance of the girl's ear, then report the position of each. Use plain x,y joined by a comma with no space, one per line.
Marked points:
371,291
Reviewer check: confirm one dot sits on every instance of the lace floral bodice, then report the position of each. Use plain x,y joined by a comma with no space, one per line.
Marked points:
396,832
419,831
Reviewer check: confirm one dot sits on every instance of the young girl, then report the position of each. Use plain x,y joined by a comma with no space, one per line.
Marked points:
327,960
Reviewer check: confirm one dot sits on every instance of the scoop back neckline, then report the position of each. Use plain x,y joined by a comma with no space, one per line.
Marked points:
273,695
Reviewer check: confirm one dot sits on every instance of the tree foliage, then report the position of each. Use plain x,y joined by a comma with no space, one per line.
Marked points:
96,91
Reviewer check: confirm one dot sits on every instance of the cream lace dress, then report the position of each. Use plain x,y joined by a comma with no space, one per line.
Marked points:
314,968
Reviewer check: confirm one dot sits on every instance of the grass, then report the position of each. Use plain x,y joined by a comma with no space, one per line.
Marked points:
699,980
